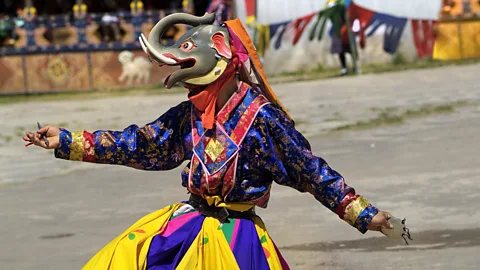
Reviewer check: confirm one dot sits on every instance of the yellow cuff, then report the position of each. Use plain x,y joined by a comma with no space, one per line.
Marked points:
77,147
354,209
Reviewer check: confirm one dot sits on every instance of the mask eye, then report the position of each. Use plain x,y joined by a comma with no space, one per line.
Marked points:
187,46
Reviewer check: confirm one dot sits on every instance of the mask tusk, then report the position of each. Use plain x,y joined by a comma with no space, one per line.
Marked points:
144,48
159,56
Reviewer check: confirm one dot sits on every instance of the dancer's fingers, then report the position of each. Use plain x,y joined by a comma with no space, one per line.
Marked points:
35,139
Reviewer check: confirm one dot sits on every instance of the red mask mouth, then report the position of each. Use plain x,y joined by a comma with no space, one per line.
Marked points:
186,63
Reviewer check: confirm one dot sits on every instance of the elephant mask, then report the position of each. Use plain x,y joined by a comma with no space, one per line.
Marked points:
203,53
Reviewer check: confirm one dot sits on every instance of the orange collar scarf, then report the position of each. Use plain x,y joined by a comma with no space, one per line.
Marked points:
206,100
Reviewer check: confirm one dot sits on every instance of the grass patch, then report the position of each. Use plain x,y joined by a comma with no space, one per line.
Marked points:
62,124
301,122
84,109
304,75
19,131
331,120
383,119
6,138
398,60
399,63
388,116
336,117
387,109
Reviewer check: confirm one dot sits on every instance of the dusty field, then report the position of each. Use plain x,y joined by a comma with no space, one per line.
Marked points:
422,163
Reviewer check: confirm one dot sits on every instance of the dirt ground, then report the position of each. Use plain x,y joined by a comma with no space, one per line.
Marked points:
409,142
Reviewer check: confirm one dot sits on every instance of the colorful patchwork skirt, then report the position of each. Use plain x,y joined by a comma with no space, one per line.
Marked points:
179,237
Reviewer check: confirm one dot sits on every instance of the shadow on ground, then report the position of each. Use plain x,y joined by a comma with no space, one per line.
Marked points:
421,241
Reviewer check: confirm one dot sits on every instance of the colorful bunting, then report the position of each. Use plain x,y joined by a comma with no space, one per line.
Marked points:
364,17
299,26
262,38
423,37
274,28
280,28
393,31
422,30
333,14
250,7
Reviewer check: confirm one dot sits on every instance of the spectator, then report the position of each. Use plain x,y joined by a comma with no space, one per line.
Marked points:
110,28
341,45
7,31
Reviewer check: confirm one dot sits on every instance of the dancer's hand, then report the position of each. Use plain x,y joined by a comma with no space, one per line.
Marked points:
380,220
52,133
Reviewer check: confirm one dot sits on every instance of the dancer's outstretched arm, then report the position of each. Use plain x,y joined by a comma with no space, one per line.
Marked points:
158,145
293,164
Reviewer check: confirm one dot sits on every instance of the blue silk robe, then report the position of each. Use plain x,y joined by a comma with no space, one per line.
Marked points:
252,145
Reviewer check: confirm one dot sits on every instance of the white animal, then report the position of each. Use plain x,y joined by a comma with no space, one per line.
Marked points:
138,68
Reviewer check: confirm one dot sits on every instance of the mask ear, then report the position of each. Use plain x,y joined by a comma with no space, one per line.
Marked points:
220,44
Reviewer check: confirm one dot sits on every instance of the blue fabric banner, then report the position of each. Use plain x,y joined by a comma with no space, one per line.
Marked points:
393,32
